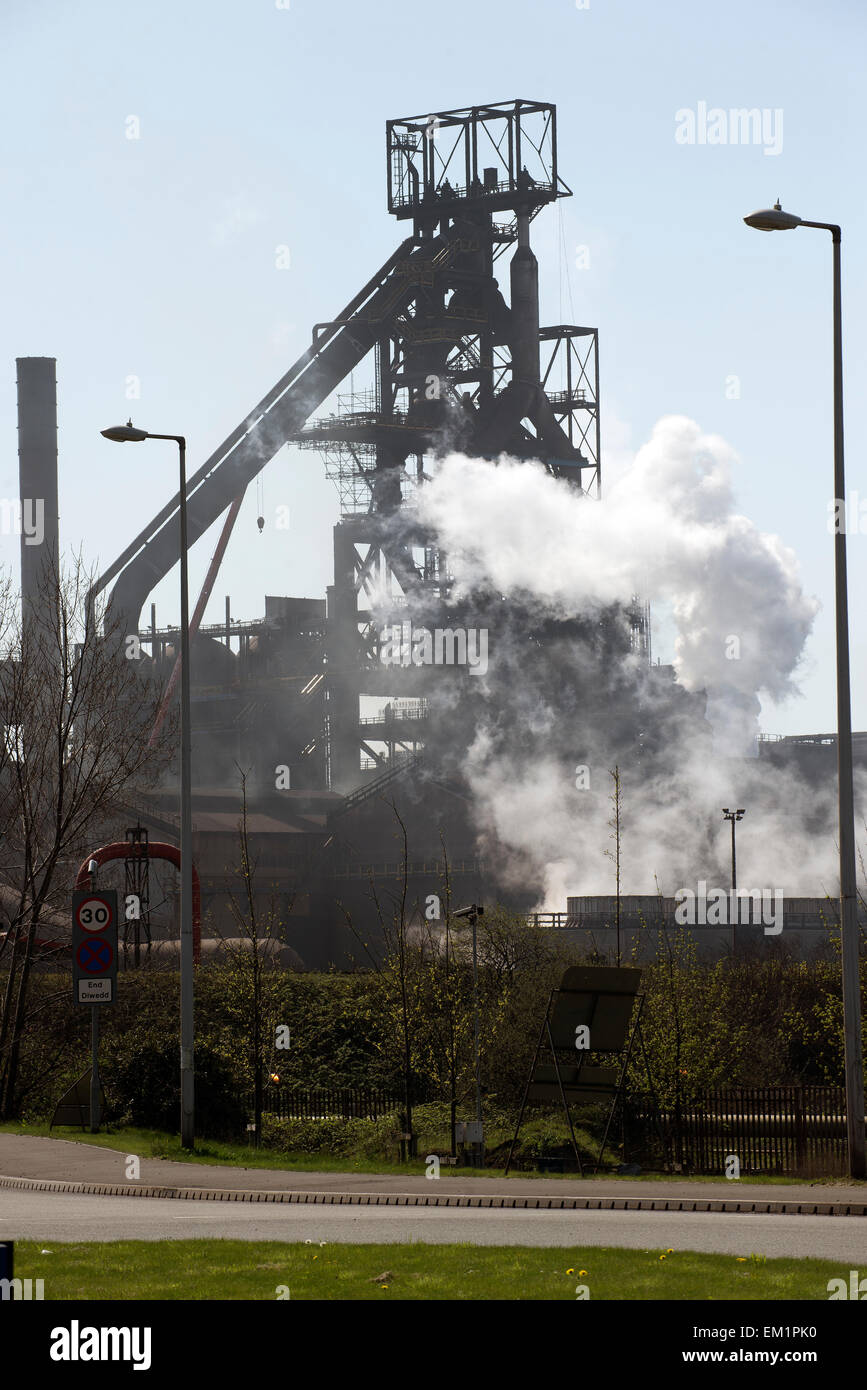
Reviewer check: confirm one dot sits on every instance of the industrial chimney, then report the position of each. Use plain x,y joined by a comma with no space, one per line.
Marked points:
37,472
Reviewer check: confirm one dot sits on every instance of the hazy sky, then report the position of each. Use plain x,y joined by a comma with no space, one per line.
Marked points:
261,125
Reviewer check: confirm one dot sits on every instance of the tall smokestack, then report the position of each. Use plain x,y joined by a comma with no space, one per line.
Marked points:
37,472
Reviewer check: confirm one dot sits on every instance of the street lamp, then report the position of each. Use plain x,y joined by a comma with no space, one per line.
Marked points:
775,220
770,220
128,434
734,817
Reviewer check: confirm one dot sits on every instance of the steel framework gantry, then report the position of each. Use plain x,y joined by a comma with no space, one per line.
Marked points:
456,369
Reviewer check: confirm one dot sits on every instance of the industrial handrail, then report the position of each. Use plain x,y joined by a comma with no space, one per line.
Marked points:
395,717
375,786
396,870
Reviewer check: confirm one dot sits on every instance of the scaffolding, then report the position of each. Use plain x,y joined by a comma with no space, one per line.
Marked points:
137,927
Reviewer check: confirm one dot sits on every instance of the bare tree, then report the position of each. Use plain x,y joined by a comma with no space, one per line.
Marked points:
424,983
400,971
251,959
399,951
76,716
448,983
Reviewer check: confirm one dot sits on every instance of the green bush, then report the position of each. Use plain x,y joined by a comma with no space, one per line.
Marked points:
144,1090
543,1136
332,1136
761,1019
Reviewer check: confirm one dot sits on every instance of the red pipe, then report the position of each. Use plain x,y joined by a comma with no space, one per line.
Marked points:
157,849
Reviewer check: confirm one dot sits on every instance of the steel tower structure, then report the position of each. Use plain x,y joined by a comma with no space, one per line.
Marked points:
456,368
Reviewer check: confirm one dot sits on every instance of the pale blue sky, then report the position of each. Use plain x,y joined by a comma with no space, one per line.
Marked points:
262,126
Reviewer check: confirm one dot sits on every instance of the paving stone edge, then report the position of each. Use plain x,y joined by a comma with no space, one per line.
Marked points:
498,1201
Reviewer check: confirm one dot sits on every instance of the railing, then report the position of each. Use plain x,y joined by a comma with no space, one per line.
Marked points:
425,866
401,757
325,1104
394,716
577,396
769,1129
136,803
167,634
460,191
372,788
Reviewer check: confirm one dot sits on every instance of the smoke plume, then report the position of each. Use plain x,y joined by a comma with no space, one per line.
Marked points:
552,574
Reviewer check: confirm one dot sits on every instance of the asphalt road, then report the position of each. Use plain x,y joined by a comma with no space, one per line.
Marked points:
49,1216
39,1157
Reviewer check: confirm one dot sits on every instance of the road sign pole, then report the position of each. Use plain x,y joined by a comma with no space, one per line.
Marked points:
94,1069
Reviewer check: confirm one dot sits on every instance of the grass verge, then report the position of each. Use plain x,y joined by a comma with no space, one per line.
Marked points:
206,1270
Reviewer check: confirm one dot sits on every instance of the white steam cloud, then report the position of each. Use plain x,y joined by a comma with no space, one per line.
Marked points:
669,532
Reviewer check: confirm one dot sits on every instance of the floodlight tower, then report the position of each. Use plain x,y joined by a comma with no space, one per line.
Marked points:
734,817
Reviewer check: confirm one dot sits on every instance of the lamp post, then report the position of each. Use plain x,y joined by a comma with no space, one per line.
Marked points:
128,434
734,817
95,1098
771,220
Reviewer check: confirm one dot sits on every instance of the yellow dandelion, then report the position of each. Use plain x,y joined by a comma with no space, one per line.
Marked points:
662,1257
383,1286
581,1273
741,1259
670,1251
570,1271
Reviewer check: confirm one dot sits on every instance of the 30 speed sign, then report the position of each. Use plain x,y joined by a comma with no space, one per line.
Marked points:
94,947
94,914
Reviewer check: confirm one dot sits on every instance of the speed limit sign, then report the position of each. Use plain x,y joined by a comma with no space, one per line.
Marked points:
94,947
94,914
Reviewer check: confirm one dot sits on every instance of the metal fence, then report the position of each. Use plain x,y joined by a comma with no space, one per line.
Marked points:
769,1129
325,1104
796,1130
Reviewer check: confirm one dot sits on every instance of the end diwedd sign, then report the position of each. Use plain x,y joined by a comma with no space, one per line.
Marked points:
94,947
